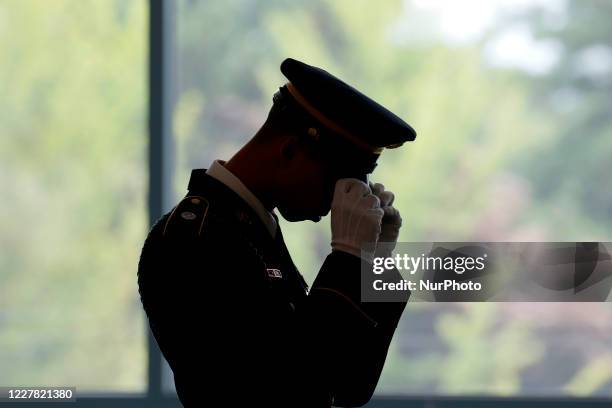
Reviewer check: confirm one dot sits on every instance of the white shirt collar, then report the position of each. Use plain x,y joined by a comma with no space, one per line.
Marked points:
218,171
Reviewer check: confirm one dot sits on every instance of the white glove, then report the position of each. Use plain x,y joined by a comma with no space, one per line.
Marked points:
391,221
355,218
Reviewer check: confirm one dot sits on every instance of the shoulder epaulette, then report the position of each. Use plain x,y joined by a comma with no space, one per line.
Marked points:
187,218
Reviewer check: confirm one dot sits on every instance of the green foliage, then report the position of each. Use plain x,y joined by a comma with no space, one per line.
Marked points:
572,170
72,76
485,353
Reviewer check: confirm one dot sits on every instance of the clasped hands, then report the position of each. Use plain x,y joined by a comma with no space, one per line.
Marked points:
363,217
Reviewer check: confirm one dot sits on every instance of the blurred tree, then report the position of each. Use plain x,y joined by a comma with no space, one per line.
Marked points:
72,76
571,171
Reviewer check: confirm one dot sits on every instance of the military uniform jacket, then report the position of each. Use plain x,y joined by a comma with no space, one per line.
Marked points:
235,319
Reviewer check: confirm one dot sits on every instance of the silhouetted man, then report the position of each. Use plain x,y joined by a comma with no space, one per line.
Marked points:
227,306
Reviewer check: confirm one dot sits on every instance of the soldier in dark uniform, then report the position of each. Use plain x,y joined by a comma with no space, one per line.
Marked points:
231,313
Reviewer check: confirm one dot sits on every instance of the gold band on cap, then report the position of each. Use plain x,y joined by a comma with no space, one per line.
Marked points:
328,122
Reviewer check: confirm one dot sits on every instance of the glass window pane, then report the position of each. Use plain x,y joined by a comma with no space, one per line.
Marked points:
510,101
73,182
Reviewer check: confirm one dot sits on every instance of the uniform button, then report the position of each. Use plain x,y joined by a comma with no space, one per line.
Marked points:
195,201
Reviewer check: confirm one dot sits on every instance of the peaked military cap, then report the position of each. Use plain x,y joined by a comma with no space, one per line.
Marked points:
343,109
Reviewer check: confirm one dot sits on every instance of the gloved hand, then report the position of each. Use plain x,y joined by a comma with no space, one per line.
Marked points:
355,218
391,221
